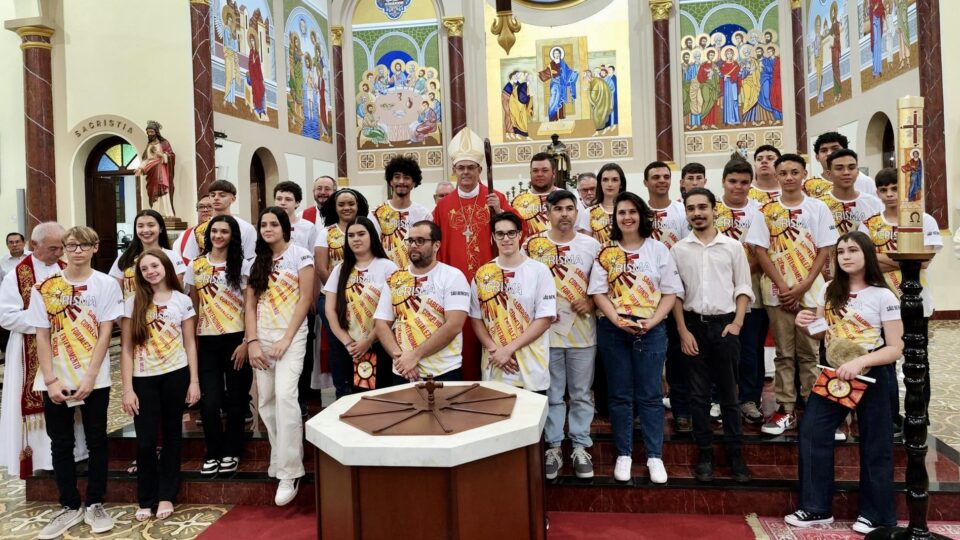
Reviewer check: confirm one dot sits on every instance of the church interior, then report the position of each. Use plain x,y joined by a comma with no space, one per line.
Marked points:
258,92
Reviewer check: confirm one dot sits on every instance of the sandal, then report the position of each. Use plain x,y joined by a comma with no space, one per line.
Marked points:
164,513
143,514
132,469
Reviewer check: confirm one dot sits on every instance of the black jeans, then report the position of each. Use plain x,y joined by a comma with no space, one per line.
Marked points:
223,388
340,357
304,383
676,373
161,405
450,376
716,364
342,377
59,420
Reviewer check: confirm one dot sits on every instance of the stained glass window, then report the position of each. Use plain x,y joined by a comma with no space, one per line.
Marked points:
119,157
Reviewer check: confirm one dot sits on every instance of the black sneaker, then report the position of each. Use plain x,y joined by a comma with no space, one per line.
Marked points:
803,519
229,464
704,469
738,468
210,467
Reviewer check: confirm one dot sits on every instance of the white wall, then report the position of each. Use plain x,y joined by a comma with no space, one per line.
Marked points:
12,149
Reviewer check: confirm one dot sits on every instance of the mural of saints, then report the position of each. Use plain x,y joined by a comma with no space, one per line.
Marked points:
309,105
243,60
563,84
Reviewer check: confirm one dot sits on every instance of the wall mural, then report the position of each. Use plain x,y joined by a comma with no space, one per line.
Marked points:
828,54
399,93
243,49
888,40
309,95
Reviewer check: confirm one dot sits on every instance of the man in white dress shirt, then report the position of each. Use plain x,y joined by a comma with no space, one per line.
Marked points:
15,245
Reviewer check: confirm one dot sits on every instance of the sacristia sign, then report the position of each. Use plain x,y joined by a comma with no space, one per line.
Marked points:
100,124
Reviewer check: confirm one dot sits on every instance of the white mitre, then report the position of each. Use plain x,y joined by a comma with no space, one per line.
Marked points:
466,146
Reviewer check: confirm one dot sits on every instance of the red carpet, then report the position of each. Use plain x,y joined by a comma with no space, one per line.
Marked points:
264,522
586,525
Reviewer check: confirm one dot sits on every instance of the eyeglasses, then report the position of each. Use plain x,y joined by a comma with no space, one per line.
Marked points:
500,235
416,241
466,168
71,247
203,207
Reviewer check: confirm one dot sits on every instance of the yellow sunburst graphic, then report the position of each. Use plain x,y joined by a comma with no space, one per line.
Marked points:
527,205
489,280
542,249
389,219
817,187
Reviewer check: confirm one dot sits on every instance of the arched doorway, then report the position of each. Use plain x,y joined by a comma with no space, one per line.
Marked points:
264,174
879,145
112,196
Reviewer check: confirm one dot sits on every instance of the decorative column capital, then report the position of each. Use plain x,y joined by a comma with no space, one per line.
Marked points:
795,4
204,2
454,26
337,33
661,9
35,37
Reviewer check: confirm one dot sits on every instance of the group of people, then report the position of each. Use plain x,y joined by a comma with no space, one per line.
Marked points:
540,293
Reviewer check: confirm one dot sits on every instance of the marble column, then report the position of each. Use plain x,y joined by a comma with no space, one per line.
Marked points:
660,9
339,121
458,96
202,94
799,76
931,88
41,184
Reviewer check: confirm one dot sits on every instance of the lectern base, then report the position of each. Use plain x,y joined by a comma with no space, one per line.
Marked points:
501,496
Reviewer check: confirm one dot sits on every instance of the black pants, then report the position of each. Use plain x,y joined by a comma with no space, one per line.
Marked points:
676,373
342,363
223,388
59,420
161,404
303,385
716,364
454,375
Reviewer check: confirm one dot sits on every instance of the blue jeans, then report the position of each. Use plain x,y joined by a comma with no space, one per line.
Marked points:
633,384
820,420
571,371
676,372
752,369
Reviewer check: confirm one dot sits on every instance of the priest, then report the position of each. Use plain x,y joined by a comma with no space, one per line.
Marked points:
24,444
464,220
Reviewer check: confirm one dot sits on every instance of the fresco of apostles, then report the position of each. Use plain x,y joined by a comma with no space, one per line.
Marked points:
309,109
731,80
399,105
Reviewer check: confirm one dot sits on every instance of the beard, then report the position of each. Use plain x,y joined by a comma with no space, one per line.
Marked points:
151,138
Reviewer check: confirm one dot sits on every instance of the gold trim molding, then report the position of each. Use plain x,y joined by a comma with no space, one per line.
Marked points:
343,181
42,32
454,26
661,9
337,33
795,4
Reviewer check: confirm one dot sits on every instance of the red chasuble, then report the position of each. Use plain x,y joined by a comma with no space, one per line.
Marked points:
465,245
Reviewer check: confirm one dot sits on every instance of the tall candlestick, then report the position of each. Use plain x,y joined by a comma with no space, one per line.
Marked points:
910,172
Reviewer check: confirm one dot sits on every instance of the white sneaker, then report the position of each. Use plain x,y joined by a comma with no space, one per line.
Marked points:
60,522
666,403
658,473
715,412
622,472
839,436
863,525
286,491
98,519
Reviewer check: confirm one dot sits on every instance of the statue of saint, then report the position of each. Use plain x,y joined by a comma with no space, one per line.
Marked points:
156,167
561,159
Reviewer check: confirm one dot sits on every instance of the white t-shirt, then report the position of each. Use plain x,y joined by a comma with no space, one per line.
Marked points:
792,235
128,275
276,305
508,300
570,264
394,225
865,184
417,305
848,215
248,239
163,351
734,223
363,289
303,233
635,279
670,224
74,312
220,305
884,236
861,320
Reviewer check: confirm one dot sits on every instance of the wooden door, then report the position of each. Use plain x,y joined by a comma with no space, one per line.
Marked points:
258,188
102,216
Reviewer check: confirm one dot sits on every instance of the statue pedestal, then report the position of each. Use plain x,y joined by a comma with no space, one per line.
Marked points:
481,482
174,223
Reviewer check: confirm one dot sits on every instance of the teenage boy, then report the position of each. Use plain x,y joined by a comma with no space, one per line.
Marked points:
849,207
573,336
710,315
287,195
826,144
532,205
222,194
396,215
692,175
791,243
669,226
204,213
73,311
765,187
736,211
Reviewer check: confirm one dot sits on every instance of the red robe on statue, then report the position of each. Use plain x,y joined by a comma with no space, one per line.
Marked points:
467,252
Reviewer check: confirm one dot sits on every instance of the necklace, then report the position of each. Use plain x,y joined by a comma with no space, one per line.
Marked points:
467,220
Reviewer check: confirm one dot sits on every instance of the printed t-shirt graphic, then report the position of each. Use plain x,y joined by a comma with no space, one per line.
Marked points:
364,288
128,275
735,223
670,224
763,196
221,306
163,351
884,236
73,312
817,187
848,215
532,208
861,320
394,225
276,305
508,300
635,279
570,264
417,307
601,223
791,236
